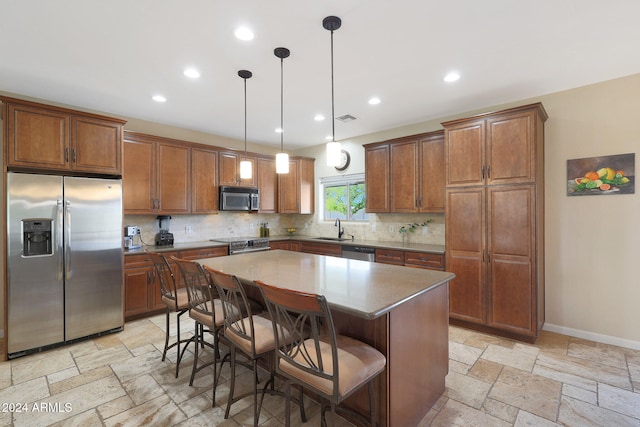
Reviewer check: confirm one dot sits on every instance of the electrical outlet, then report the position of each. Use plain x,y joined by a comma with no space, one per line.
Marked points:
391,229
251,226
373,227
425,230
187,229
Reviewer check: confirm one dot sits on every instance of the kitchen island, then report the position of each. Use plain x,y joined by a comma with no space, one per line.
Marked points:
401,311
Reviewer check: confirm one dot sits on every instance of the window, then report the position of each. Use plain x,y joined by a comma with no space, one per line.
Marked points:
344,197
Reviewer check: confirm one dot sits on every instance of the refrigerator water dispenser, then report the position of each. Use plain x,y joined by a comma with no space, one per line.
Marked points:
37,237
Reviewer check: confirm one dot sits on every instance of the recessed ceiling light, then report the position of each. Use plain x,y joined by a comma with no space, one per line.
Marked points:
159,98
452,77
318,117
191,73
279,130
374,100
328,137
244,33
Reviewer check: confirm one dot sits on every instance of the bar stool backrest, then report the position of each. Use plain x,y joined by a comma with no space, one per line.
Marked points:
196,281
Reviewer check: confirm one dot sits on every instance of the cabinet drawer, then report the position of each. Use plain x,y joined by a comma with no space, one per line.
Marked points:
136,261
284,245
422,259
389,256
204,253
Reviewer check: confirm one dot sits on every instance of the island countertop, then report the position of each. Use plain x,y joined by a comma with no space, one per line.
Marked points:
364,289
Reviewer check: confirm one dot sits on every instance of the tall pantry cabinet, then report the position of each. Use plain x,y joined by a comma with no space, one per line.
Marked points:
495,220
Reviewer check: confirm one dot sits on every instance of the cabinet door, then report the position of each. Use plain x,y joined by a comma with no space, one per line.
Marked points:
284,245
139,178
306,186
404,177
268,185
96,145
229,174
136,291
390,256
432,173
288,190
204,181
465,154
37,137
511,248
425,260
253,181
376,177
174,178
511,148
465,246
321,248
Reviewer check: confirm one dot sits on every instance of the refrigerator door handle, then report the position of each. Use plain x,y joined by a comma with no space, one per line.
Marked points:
67,240
58,238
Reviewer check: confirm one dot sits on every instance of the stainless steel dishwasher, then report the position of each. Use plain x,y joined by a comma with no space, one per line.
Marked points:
359,252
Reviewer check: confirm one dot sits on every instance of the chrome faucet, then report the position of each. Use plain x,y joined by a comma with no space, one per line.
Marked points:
340,229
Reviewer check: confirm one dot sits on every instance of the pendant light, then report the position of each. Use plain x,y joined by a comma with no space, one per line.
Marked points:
282,158
246,171
332,23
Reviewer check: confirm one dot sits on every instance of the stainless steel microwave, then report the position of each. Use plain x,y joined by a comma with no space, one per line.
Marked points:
245,199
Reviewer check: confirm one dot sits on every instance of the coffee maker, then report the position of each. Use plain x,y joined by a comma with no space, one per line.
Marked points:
164,238
132,238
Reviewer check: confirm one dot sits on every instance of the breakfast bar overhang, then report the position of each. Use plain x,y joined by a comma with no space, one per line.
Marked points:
401,311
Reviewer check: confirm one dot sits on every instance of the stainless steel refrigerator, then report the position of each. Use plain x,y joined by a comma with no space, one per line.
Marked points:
64,259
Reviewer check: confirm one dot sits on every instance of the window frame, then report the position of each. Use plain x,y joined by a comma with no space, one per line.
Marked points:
340,180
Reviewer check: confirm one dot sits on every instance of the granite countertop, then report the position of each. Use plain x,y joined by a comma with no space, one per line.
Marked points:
414,247
365,289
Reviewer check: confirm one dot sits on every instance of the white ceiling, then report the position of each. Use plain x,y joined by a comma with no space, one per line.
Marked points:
112,56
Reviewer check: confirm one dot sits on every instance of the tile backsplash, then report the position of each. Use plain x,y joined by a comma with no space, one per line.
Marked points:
382,227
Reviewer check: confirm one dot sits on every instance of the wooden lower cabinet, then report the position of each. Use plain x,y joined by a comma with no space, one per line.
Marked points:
321,248
282,244
426,260
142,293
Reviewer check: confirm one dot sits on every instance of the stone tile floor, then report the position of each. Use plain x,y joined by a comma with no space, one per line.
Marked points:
119,380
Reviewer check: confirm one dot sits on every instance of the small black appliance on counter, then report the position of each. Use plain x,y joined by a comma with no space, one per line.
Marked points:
164,237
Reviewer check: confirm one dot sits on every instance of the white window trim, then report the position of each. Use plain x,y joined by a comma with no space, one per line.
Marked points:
333,180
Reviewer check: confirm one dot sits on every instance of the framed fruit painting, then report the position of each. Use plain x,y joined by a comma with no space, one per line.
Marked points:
600,176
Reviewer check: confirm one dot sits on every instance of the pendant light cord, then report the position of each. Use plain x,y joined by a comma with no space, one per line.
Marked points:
333,114
245,117
281,104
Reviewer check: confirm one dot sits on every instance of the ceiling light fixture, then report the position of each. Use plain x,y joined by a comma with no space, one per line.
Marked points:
244,33
374,100
192,73
332,23
282,158
318,117
452,77
245,165
159,98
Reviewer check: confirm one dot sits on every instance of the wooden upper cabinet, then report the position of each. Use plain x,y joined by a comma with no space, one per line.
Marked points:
406,175
139,177
204,181
230,169
376,172
432,173
45,138
267,184
495,148
96,145
174,178
296,188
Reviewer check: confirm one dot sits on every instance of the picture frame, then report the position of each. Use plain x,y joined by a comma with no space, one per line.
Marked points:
601,176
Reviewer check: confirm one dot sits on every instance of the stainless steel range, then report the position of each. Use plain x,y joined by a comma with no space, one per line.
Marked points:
240,245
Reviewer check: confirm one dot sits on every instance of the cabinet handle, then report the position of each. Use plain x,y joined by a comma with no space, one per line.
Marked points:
489,172
75,155
66,155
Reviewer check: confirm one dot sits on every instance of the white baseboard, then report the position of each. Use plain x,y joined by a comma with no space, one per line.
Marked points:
592,336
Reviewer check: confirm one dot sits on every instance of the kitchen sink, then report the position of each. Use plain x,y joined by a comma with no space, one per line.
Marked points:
335,239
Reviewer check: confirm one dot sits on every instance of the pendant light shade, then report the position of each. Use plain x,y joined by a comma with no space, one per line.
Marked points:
332,23
282,158
246,171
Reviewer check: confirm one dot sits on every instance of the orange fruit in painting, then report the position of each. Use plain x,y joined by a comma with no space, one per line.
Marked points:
604,187
591,176
620,172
